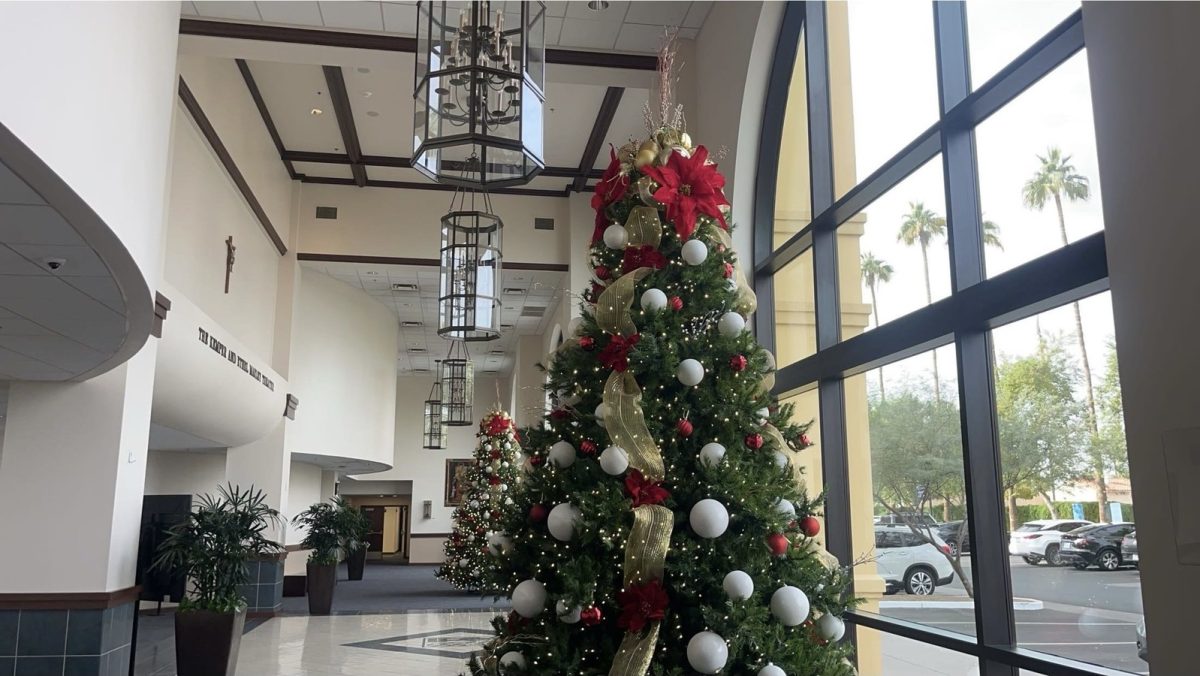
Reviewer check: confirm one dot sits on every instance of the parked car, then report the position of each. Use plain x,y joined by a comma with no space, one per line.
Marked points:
1140,634
949,532
1037,541
907,561
905,518
1129,553
1098,545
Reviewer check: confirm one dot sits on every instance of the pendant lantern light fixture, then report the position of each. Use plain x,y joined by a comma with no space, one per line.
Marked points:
479,96
458,386
434,433
470,267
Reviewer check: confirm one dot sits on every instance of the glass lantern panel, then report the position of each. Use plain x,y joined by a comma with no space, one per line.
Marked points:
424,17
504,164
535,64
532,134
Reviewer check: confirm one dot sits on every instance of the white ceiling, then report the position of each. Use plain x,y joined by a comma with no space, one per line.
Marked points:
53,325
624,26
535,293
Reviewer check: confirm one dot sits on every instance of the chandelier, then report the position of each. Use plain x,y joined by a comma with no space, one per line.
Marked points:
470,268
434,434
479,92
458,386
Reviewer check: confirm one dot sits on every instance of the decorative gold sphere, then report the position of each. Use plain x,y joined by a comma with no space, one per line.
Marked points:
645,156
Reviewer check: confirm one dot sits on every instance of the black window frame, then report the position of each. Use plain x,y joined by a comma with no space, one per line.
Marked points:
977,304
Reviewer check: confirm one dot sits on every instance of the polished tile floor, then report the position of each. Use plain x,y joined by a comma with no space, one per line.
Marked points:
425,643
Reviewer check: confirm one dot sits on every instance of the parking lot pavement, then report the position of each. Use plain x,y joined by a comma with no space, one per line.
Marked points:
1088,616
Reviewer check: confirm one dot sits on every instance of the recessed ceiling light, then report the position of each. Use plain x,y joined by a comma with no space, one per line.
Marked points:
316,111
598,5
372,113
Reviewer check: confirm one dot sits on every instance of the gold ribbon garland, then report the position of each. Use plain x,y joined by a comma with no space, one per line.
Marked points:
745,301
645,556
626,425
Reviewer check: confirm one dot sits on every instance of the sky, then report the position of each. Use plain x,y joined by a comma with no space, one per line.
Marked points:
894,93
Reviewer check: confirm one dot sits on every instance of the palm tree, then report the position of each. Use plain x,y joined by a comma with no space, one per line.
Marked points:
921,226
1055,178
991,235
875,272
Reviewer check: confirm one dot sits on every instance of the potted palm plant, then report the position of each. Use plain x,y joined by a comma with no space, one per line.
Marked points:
324,534
356,526
221,535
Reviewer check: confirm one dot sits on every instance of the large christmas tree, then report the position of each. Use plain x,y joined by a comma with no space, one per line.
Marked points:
664,531
472,550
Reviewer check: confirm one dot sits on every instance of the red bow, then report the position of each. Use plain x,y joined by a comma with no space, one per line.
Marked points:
641,604
644,491
644,256
615,355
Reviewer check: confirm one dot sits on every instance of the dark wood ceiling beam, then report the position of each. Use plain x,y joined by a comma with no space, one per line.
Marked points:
406,163
259,103
422,262
436,187
608,110
345,120
391,43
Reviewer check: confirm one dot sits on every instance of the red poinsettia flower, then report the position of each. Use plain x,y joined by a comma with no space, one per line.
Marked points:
644,256
688,186
597,289
493,479
615,355
612,187
644,491
642,604
497,425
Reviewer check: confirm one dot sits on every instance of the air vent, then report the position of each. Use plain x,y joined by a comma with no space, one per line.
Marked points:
417,349
514,290
399,286
499,352
412,324
533,311
506,326
330,213
420,370
538,223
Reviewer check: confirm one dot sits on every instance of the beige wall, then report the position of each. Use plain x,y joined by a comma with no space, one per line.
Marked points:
184,472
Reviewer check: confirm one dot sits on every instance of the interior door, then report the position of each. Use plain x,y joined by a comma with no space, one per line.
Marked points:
375,536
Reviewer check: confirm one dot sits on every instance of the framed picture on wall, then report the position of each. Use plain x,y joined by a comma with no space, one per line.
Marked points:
456,480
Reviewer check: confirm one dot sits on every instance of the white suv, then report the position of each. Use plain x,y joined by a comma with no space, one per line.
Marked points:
907,561
1037,541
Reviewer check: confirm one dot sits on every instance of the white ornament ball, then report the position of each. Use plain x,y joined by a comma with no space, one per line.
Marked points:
507,446
567,615
573,327
711,454
789,605
654,300
831,627
474,504
503,488
731,324
707,652
614,461
562,453
709,518
615,237
771,670
785,507
512,658
487,447
763,414
690,372
694,252
738,585
529,598
781,460
499,543
463,563
601,411
561,521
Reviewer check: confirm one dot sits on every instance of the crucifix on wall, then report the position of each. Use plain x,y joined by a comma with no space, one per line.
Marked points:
230,256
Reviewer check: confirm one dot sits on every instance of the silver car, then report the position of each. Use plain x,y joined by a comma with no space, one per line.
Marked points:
1140,633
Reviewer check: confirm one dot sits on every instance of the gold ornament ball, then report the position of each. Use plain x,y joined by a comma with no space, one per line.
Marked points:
649,144
645,156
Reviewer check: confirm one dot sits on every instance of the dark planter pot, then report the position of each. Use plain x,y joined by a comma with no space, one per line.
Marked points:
355,562
321,581
206,643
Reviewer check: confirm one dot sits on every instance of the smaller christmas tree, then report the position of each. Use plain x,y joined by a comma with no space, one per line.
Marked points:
472,548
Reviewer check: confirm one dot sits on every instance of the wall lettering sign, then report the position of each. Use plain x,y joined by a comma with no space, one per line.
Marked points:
233,358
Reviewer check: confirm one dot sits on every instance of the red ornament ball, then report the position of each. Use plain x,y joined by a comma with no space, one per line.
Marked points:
590,616
676,303
601,272
493,479
587,448
778,544
587,342
810,526
805,441
495,514
494,455
728,270
738,363
754,441
538,513
684,427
